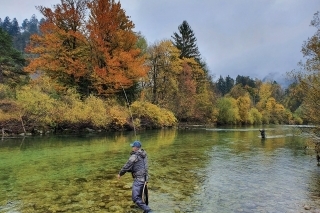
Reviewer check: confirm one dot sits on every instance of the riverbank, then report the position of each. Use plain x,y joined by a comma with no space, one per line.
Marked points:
17,128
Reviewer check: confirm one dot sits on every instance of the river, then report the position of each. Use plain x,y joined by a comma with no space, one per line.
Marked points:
194,170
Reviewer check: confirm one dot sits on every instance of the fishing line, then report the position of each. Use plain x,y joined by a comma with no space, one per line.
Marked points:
134,128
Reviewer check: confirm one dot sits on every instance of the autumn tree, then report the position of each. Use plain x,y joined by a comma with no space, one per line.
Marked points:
61,50
255,116
276,112
186,97
164,66
309,76
293,97
237,91
116,59
264,92
228,112
94,54
244,105
180,85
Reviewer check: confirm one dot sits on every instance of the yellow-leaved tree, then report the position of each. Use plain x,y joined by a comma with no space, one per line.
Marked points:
309,76
244,105
161,83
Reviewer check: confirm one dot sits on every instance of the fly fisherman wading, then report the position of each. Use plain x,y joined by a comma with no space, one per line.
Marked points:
138,166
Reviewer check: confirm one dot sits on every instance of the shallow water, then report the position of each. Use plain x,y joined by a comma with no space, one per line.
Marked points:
195,170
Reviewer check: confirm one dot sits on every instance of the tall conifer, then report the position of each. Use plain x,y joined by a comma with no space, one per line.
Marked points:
185,41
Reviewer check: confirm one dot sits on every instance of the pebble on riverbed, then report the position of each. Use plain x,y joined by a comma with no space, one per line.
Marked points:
307,207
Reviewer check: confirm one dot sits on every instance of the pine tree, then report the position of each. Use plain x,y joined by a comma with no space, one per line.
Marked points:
185,41
221,86
14,29
11,62
229,83
6,24
33,25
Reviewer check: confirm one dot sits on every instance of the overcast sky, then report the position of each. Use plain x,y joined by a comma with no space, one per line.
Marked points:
235,37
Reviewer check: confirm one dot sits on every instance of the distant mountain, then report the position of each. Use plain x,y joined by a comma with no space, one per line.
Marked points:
281,79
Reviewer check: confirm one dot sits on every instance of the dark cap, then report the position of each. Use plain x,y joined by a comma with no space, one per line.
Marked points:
136,144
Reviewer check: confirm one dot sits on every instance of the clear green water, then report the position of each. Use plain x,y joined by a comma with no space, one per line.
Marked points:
195,170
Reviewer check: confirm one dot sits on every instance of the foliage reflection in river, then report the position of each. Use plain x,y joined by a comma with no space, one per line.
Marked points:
198,170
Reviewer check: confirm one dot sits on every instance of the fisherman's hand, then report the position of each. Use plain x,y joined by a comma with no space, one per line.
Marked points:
118,176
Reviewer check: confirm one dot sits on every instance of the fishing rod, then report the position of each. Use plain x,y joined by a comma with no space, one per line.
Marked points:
145,197
134,128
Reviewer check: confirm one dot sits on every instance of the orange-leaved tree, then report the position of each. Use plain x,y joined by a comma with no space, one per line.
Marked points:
61,50
116,59
95,54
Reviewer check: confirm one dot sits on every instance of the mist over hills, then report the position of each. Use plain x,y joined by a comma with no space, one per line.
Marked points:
282,79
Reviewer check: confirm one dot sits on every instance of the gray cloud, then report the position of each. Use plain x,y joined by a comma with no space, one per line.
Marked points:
247,37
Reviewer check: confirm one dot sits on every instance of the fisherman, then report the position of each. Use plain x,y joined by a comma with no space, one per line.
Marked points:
263,133
138,166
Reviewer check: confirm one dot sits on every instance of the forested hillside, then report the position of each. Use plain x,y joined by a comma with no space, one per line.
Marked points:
82,66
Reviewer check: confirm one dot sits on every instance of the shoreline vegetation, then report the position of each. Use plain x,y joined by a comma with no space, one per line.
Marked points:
37,108
97,74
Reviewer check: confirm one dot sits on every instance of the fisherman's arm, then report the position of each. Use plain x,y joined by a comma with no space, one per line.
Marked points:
128,166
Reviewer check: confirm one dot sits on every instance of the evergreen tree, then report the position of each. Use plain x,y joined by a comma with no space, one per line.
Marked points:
33,25
221,86
6,24
24,25
185,41
224,86
14,28
229,83
28,27
11,62
245,80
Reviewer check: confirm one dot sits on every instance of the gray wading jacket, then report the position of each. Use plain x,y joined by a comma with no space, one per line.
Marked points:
137,165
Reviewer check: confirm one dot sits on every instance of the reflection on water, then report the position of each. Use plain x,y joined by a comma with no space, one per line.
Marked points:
198,170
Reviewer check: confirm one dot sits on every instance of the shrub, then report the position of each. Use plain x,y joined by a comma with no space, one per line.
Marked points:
6,92
36,105
152,116
255,115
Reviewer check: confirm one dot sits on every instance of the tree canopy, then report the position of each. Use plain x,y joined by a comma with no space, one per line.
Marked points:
309,76
98,56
